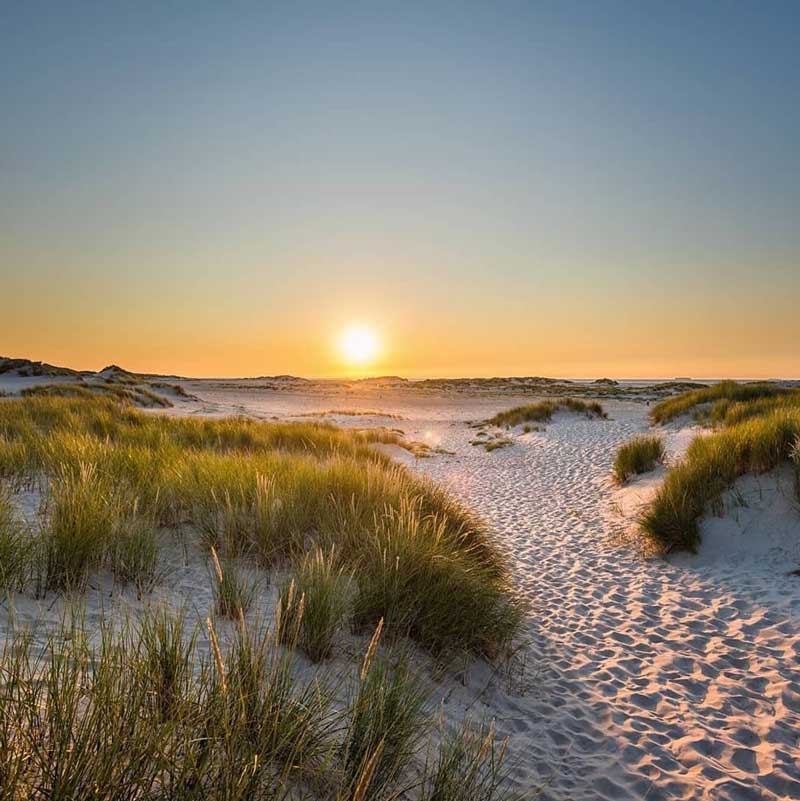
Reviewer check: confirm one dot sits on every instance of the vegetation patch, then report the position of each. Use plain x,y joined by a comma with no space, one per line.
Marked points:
713,403
15,559
353,413
386,719
144,715
314,603
543,411
176,388
470,766
497,444
493,443
136,395
711,465
640,455
265,491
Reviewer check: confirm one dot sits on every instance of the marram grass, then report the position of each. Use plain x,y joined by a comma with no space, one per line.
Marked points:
320,587
639,455
15,561
140,714
543,411
137,395
711,466
715,399
268,492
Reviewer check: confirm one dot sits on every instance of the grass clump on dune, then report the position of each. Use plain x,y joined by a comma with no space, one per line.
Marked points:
269,492
470,766
133,554
165,663
143,717
639,455
143,714
496,444
82,519
233,592
543,411
718,397
728,413
711,465
353,413
796,465
386,718
136,395
315,603
14,546
438,602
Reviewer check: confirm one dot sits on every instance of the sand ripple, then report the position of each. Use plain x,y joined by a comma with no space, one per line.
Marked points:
646,679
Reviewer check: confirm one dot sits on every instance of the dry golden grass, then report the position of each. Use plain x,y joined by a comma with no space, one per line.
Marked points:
543,411
265,491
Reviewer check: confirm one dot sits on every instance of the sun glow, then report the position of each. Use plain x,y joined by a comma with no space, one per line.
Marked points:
359,345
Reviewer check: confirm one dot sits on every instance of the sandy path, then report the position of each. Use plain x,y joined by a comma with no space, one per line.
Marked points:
643,679
654,680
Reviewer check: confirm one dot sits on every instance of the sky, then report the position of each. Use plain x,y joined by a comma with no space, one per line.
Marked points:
574,189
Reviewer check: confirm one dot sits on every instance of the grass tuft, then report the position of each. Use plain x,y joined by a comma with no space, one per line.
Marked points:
233,592
15,546
543,411
721,395
470,766
133,554
497,444
445,605
711,465
322,584
796,463
639,455
82,517
385,720
164,663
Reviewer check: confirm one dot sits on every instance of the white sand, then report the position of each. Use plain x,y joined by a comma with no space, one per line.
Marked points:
641,678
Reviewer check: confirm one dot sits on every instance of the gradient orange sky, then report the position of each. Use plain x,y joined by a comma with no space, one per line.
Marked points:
557,189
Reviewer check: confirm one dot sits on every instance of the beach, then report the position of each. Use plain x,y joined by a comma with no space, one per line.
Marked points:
634,676
644,678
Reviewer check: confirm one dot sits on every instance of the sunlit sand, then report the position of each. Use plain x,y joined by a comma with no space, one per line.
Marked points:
634,676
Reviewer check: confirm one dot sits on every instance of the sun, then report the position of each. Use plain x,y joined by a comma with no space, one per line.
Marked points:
358,345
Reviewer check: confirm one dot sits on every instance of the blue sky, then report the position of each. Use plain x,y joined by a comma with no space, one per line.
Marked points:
573,188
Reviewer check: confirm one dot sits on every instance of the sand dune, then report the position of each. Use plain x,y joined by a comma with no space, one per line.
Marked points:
639,678
643,678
